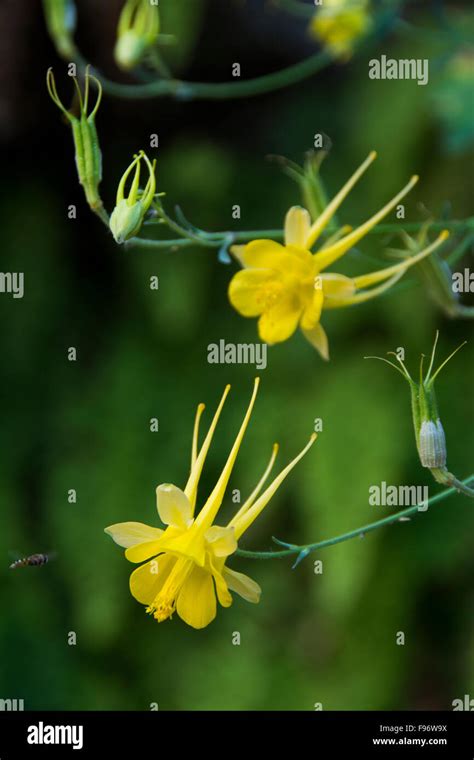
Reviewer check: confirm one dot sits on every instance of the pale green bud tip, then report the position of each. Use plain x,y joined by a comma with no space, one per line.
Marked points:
137,31
129,50
125,220
432,444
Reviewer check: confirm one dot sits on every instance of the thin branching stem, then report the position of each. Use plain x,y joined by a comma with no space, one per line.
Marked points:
305,549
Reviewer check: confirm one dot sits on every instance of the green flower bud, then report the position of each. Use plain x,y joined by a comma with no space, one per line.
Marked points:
429,432
88,154
137,32
60,16
129,212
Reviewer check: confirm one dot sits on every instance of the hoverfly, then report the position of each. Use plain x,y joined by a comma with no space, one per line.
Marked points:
34,560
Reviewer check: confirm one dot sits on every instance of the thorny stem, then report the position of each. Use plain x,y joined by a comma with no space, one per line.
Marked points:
305,549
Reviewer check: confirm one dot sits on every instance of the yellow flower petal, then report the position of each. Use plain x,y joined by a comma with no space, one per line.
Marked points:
312,313
298,261
280,321
173,506
188,544
223,594
330,255
297,226
365,280
196,603
363,295
147,580
336,236
193,480
130,533
247,588
251,514
332,207
337,284
194,447
248,503
261,254
213,503
238,252
221,541
251,291
318,338
141,552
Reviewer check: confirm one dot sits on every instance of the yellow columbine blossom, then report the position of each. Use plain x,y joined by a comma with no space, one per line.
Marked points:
286,286
338,24
186,564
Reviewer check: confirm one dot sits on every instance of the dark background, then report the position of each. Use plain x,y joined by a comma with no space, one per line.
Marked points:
327,638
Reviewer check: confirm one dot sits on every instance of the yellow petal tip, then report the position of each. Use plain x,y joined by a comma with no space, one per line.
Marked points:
372,155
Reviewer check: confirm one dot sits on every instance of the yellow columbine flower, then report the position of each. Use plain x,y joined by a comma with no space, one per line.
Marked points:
285,285
338,24
186,564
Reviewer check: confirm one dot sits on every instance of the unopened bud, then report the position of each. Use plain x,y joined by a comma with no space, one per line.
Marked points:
129,212
137,31
432,444
86,142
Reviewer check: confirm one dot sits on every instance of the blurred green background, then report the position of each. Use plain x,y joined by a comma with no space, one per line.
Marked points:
328,638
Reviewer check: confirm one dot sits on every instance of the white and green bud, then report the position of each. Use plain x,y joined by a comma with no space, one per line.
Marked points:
429,432
432,444
129,212
61,16
137,32
86,142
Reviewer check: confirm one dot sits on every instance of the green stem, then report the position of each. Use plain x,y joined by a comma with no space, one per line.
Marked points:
213,239
218,90
307,548
99,210
446,478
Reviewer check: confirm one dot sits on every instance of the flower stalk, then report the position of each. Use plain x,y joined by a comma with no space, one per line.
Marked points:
302,551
